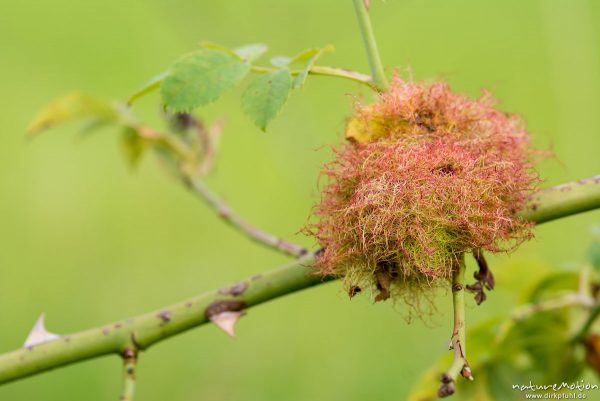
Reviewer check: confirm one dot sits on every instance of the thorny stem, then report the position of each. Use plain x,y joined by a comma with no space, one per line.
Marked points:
459,366
233,219
366,30
151,328
129,356
148,329
570,198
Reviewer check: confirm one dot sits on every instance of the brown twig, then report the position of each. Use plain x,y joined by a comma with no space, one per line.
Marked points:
230,217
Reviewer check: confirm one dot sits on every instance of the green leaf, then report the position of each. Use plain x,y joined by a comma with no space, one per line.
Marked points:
200,78
594,255
132,145
280,61
265,96
251,52
73,107
304,60
216,46
309,57
553,284
148,87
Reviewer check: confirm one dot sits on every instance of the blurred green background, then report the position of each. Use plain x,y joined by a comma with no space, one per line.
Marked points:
87,241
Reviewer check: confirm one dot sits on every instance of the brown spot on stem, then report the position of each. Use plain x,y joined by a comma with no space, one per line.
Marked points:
218,307
165,316
446,389
128,353
235,290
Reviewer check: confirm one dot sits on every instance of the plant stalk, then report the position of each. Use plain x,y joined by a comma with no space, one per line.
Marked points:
150,328
366,31
129,356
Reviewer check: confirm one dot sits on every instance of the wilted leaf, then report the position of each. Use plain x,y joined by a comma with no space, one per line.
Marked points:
266,95
251,52
72,107
132,145
148,87
201,77
360,130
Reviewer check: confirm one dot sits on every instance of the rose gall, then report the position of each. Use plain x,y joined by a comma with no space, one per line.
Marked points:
426,176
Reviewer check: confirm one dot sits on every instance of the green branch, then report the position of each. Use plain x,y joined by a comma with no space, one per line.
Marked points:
589,322
148,329
327,71
458,341
129,356
563,200
366,31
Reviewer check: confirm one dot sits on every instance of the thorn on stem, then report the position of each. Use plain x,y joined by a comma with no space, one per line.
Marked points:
226,321
39,334
225,314
466,372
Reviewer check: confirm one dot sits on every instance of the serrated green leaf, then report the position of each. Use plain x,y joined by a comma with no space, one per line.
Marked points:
72,107
132,145
265,96
150,86
200,78
251,52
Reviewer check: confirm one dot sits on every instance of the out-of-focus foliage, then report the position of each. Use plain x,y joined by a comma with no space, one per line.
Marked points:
535,344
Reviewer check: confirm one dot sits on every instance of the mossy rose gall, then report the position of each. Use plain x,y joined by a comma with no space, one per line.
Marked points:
427,175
